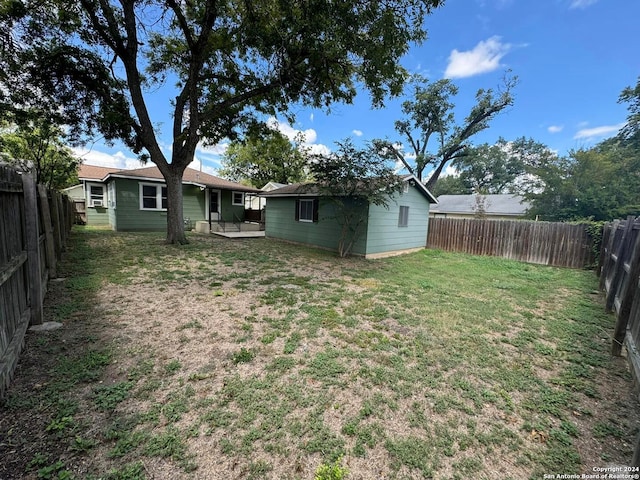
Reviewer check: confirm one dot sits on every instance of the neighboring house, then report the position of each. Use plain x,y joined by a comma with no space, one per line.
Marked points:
494,207
255,202
136,200
297,213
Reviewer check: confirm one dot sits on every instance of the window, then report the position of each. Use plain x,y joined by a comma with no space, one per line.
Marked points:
403,218
153,196
96,195
307,210
238,198
112,194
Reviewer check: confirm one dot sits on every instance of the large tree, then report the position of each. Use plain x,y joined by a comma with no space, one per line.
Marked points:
630,133
429,115
263,158
37,146
600,183
231,61
490,169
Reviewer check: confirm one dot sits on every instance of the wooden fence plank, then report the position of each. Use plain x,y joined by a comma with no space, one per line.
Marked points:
534,242
628,292
50,249
618,268
33,249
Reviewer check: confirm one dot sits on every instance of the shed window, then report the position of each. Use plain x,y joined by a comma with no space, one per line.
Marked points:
238,198
403,217
307,210
153,196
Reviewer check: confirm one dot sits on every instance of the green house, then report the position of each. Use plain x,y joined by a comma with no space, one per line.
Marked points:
297,213
136,200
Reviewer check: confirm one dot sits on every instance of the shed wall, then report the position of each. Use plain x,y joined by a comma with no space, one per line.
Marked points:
384,234
281,223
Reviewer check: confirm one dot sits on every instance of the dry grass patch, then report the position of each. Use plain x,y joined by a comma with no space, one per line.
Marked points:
256,359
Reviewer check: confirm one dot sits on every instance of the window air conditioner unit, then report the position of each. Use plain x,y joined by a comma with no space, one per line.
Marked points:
96,203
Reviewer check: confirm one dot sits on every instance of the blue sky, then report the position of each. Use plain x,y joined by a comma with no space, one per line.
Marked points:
572,59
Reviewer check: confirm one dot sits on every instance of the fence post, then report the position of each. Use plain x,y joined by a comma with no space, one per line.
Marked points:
33,248
604,243
50,250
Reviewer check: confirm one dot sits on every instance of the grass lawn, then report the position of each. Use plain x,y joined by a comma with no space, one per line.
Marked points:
256,359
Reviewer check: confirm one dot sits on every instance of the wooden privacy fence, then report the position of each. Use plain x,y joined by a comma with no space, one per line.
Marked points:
557,244
619,269
34,225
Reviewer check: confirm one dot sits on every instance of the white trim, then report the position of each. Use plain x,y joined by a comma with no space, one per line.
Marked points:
233,198
218,193
111,195
89,198
158,196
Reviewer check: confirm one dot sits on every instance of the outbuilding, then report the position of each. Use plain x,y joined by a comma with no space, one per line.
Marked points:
300,213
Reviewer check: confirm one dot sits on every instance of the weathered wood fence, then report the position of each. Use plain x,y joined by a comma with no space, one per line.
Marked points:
34,225
557,244
619,270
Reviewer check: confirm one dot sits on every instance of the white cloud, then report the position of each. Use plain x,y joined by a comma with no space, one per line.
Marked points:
484,57
216,150
288,131
311,117
597,132
581,3
357,133
555,128
309,136
102,159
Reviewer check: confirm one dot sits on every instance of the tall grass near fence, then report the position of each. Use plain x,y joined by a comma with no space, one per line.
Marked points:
34,224
544,243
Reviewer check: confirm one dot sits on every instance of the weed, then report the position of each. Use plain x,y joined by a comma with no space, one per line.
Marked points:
334,471
131,471
243,356
107,397
172,367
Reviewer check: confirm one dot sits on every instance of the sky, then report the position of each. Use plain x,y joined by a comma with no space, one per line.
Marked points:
572,59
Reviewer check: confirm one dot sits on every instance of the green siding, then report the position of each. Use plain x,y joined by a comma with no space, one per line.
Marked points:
228,211
129,217
98,216
384,235
281,223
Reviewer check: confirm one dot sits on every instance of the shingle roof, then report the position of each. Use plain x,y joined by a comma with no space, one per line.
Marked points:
312,189
91,172
502,204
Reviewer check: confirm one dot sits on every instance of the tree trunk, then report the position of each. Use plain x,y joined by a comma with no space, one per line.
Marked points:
175,214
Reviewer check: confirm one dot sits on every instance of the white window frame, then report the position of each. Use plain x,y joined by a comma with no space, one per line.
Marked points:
91,198
403,218
233,198
309,210
111,195
158,196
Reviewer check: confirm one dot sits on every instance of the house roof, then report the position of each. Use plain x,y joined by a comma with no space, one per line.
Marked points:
90,172
272,186
497,204
313,190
